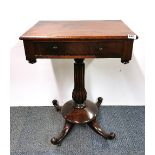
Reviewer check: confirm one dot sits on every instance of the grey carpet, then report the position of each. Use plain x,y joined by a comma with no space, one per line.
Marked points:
31,129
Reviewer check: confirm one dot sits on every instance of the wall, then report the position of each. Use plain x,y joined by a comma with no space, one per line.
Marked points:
38,84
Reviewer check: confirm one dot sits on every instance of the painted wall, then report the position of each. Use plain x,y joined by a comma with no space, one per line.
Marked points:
38,84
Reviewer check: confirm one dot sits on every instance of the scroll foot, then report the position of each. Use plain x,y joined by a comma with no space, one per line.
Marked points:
100,99
96,127
56,105
67,128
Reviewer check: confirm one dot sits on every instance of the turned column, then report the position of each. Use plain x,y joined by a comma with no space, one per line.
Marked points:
79,93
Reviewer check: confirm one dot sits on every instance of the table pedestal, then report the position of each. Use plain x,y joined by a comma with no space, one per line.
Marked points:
79,110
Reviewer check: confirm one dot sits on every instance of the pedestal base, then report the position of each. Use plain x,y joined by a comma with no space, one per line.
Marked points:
79,115
74,114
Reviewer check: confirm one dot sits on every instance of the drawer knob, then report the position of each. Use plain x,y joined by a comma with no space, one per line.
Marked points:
55,47
100,48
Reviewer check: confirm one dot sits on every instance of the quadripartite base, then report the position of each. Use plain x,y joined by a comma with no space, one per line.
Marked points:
75,115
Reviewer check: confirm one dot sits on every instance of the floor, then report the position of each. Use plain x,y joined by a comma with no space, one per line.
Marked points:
33,127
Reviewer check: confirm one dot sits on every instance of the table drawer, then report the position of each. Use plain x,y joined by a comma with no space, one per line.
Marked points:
101,48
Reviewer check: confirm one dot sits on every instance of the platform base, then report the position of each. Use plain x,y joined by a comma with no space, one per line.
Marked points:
78,115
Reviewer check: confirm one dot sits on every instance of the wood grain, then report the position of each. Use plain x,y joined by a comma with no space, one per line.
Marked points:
58,30
79,40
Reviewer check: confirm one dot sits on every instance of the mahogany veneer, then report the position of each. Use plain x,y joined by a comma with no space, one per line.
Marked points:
79,40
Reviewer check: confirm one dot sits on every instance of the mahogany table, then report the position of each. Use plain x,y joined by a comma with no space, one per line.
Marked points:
79,40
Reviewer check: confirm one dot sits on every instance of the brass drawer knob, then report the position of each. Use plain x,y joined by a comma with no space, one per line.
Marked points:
100,48
55,47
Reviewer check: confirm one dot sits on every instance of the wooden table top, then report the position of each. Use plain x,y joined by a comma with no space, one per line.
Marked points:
88,29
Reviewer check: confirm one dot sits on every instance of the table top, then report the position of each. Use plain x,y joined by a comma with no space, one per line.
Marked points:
86,29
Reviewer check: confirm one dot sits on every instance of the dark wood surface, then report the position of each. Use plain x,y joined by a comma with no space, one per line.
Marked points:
79,49
66,129
79,94
79,110
79,40
101,29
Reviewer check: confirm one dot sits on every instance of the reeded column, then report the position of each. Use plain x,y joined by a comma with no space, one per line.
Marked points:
79,92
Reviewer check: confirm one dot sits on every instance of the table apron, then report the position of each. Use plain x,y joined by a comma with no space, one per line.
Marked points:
81,49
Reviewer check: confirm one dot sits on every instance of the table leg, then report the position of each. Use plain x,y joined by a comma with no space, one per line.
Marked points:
79,93
96,127
66,129
79,110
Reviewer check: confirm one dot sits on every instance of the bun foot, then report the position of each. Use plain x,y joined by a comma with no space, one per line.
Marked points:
125,61
96,127
56,105
32,61
67,128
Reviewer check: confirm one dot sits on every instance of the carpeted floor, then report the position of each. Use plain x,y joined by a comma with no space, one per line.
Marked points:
33,127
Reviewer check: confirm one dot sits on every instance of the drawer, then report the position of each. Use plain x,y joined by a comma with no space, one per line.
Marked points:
95,48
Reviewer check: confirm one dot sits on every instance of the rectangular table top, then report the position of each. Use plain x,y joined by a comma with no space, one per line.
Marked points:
88,29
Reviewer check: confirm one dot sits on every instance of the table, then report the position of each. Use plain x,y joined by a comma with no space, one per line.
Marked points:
79,40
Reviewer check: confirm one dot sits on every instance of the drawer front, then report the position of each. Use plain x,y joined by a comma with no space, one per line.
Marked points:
105,49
